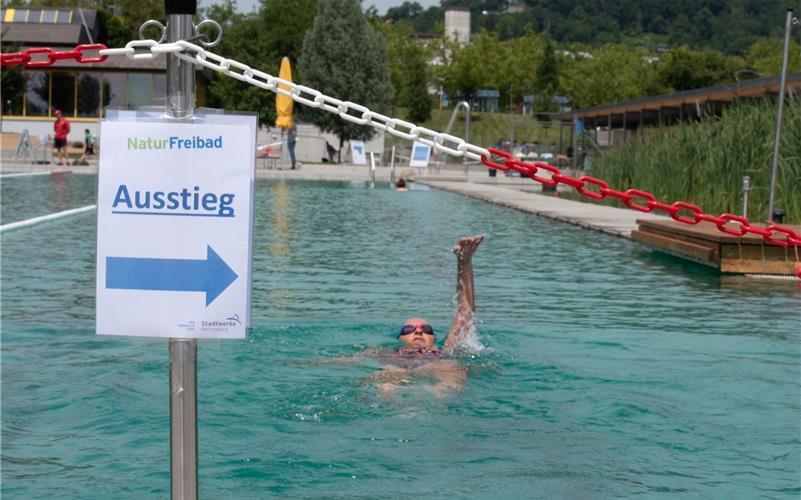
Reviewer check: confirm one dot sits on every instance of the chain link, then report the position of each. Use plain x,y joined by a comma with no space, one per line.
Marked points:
743,227
361,115
307,96
26,57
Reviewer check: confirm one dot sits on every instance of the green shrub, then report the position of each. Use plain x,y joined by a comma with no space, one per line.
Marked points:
704,162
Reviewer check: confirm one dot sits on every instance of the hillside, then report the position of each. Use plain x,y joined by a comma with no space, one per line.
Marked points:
728,26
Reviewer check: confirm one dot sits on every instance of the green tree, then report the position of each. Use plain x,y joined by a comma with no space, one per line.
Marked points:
283,24
546,81
345,58
407,11
765,56
686,69
240,41
516,69
12,86
259,40
408,69
610,74
474,66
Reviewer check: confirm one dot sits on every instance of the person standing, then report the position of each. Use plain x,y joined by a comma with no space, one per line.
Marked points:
88,147
89,144
61,127
292,135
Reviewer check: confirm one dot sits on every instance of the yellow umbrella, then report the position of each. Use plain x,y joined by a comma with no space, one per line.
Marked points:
283,104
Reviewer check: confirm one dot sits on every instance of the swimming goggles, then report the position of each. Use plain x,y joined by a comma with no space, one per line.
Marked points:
409,329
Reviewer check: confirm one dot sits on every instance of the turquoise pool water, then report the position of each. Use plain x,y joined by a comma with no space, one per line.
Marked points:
609,370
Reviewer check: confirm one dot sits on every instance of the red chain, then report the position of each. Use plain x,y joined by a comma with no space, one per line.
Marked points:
25,57
642,201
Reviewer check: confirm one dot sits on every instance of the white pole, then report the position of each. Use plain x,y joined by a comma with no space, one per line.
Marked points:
777,142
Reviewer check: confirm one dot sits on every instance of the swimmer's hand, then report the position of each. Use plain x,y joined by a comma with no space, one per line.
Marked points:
467,245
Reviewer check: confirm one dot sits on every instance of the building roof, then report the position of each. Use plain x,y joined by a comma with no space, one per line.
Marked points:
725,93
49,26
40,34
487,93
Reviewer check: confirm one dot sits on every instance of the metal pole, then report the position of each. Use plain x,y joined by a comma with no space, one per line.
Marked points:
372,168
777,142
183,419
746,189
180,74
183,352
392,167
574,142
466,135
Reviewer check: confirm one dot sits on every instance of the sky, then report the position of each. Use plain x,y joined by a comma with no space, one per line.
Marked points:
381,5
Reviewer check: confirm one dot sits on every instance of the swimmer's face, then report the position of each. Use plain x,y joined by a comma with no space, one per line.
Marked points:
418,333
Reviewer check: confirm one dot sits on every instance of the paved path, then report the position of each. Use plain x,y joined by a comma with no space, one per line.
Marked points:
611,220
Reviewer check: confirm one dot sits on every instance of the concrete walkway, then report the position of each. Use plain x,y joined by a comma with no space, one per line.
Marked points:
611,220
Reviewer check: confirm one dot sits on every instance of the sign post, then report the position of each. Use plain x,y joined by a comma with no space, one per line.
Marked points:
174,237
174,246
183,353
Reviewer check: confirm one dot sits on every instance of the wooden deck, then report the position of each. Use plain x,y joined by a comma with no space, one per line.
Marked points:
729,254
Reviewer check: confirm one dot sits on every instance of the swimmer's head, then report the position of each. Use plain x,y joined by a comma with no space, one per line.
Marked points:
417,332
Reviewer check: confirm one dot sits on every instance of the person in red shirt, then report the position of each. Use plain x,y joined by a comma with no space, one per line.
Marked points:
61,128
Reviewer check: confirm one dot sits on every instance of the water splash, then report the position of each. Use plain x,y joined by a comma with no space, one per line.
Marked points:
469,343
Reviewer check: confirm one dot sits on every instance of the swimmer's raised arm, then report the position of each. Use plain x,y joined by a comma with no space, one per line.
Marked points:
465,295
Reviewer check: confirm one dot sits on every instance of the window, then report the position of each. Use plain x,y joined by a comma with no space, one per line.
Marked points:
63,92
115,89
64,16
140,89
13,90
89,94
19,15
159,89
37,93
49,16
34,15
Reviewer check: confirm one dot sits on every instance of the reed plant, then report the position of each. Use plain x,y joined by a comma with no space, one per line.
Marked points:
704,162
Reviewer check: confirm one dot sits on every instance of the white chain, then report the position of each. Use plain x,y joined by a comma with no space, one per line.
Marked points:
350,111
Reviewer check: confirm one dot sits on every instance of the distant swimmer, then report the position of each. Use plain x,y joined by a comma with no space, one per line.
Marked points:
419,356
401,185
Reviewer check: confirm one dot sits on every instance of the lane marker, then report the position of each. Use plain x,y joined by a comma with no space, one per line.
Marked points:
26,174
46,218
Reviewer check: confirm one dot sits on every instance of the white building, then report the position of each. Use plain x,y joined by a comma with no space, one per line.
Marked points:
457,24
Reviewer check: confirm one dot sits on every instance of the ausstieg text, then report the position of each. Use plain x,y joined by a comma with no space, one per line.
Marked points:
183,201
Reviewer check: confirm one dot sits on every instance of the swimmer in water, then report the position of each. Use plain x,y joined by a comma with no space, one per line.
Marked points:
419,356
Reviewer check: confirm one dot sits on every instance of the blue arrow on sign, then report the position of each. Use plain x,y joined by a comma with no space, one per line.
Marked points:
211,275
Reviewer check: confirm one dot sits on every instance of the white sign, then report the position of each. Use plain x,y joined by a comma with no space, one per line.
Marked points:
420,155
357,153
175,211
